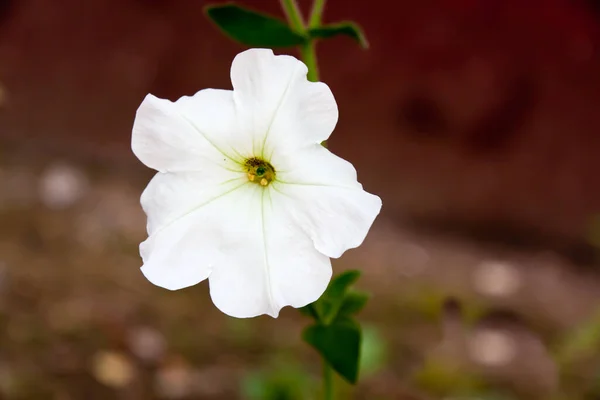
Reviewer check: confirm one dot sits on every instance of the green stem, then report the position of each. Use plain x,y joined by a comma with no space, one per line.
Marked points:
309,56
294,17
328,392
316,13
293,14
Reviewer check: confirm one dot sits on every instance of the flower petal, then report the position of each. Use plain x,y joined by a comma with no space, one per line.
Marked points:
256,259
299,273
170,196
291,271
177,253
212,112
164,138
171,259
282,110
326,200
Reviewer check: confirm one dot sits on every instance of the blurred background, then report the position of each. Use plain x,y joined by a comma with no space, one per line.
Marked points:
476,121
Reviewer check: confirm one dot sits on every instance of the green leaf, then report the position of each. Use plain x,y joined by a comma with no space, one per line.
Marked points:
328,305
339,284
338,344
350,29
353,302
252,28
309,311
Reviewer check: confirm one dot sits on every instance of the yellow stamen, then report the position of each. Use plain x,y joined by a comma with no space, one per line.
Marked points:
259,171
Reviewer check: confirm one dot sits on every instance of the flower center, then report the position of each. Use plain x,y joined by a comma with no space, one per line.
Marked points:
259,171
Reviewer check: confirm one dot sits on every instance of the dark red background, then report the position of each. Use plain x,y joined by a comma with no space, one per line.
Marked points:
481,112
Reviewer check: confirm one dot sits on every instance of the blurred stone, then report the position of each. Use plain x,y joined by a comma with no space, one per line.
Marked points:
112,369
492,348
496,278
147,343
174,380
61,186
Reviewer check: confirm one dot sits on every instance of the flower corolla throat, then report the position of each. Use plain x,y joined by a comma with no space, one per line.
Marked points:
259,171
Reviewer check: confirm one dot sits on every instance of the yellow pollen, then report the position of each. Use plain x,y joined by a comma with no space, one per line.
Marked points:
259,171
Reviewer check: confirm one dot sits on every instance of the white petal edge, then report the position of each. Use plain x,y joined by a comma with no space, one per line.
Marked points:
281,109
326,200
165,139
170,257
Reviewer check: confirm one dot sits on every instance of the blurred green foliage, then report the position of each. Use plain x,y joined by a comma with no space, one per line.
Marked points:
282,382
441,378
374,351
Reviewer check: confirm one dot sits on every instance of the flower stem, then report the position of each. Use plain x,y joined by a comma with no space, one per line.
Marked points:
293,14
294,17
309,56
316,14
328,392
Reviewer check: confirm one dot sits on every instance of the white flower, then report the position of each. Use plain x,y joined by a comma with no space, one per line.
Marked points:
245,195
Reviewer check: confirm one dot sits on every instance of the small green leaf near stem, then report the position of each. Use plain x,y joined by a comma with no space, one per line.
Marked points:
253,28
346,28
339,344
